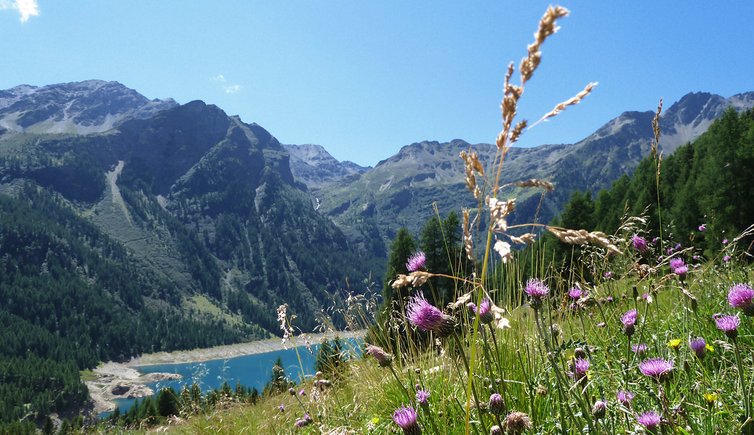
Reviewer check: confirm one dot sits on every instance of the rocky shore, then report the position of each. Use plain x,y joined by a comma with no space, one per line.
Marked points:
119,381
123,381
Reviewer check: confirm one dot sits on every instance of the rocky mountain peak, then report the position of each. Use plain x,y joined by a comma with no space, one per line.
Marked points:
312,165
86,107
694,108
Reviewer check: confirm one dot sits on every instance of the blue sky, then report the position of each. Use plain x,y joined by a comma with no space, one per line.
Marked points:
365,78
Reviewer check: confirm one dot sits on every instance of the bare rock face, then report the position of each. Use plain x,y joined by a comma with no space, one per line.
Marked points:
315,167
91,106
120,390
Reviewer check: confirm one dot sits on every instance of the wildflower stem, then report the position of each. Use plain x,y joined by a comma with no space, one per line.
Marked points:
470,374
301,403
403,387
497,358
474,333
560,380
744,389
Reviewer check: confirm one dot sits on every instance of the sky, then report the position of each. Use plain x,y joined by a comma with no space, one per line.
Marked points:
364,79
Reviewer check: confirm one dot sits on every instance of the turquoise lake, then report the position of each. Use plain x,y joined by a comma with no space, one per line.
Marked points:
252,371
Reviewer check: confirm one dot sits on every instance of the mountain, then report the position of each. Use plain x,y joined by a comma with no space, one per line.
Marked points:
137,216
91,106
400,190
703,200
315,167
199,197
130,225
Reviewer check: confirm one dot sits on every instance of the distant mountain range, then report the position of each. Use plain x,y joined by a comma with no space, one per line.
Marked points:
401,190
204,199
241,223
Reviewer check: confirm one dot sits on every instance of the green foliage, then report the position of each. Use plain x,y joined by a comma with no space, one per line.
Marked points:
330,359
700,183
73,297
168,403
401,249
279,382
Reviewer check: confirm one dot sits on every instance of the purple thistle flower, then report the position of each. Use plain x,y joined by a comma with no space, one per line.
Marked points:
608,274
579,368
302,392
681,271
378,353
699,346
305,421
726,258
537,290
281,408
702,227
678,247
496,404
740,296
725,241
416,261
669,250
655,240
656,368
422,397
629,321
649,420
639,349
599,409
625,398
405,417
428,317
640,243
517,422
728,324
300,423
575,293
485,310
675,263
629,317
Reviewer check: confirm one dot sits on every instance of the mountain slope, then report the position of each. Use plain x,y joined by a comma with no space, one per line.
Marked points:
204,199
399,191
85,107
315,167
72,297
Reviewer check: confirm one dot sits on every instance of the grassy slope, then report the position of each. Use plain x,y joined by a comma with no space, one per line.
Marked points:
364,400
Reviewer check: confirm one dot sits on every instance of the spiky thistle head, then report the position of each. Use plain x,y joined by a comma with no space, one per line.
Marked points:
428,317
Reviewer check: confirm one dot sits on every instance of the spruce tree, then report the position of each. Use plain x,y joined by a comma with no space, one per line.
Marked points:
403,246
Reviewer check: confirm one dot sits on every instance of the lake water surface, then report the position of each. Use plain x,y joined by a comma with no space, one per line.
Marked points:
252,371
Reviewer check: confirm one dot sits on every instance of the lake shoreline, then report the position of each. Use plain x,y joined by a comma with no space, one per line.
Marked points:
235,350
115,380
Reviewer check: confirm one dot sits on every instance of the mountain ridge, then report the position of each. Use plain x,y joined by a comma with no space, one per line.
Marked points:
91,106
393,192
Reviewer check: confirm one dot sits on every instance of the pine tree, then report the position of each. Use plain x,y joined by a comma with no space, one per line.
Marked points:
168,403
401,249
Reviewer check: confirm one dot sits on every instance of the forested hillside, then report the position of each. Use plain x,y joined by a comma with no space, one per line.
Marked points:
71,297
705,195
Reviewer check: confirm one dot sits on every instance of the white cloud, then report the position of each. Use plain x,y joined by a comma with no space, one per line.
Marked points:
26,8
229,89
